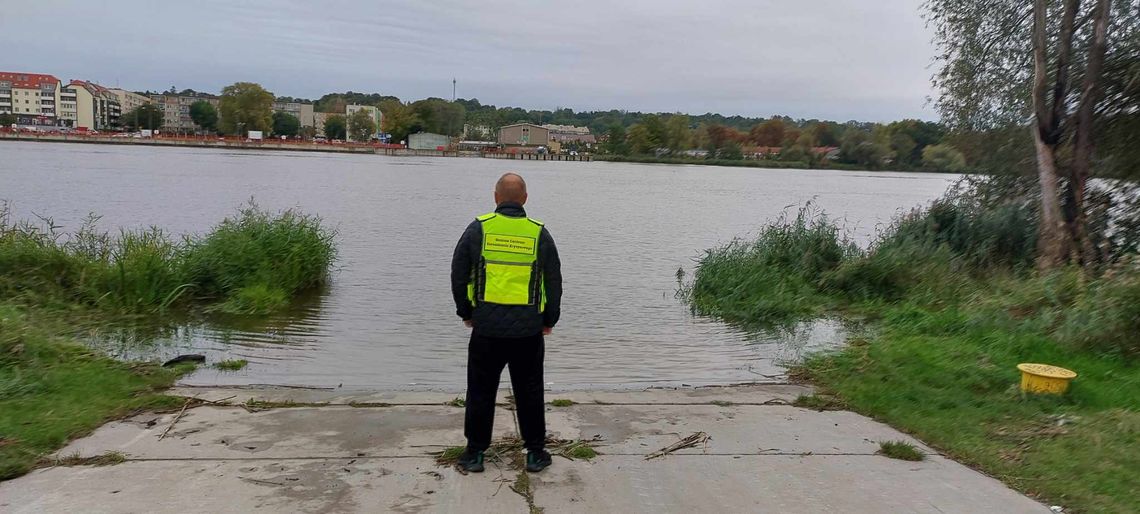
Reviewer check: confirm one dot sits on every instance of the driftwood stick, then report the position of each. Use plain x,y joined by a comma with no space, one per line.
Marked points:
176,418
688,442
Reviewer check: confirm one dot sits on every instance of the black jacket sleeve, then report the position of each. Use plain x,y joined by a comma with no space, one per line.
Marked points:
552,278
462,262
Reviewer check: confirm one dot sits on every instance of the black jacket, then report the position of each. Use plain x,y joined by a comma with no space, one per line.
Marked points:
493,320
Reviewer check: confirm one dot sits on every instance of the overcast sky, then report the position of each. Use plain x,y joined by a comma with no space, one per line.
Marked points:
829,59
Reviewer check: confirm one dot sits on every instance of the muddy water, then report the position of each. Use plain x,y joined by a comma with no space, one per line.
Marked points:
387,320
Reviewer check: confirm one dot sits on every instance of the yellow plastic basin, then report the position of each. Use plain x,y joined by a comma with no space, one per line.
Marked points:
1045,379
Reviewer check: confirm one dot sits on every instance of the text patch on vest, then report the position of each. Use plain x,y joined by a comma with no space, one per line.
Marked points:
509,244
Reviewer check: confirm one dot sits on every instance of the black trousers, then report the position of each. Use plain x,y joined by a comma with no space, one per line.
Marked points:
486,357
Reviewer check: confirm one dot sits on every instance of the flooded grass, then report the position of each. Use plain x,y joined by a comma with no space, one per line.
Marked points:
900,450
251,263
231,365
53,390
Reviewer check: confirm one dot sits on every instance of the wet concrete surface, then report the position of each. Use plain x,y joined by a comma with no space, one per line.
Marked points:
761,456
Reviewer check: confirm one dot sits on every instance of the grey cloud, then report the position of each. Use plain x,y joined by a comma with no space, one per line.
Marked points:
814,58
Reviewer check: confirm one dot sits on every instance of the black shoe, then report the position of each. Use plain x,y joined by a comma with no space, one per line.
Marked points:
471,461
538,461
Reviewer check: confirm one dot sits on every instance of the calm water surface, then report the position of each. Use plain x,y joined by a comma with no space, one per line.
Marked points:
387,320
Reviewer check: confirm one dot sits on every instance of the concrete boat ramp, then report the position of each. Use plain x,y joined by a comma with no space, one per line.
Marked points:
325,451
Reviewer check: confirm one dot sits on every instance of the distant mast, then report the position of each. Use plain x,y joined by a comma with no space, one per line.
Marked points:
452,89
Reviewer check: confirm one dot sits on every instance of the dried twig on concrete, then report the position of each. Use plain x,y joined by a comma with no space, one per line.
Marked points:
688,442
176,418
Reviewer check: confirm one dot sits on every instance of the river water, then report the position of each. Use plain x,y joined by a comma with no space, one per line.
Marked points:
387,320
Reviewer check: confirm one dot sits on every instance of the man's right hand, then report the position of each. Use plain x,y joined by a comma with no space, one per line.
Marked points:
467,323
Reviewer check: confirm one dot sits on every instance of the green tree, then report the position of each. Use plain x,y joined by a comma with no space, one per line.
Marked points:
246,106
903,148
639,140
335,127
769,133
943,158
615,142
677,133
145,116
307,132
1055,63
7,119
204,115
825,134
858,147
399,120
731,151
655,129
440,116
285,124
361,126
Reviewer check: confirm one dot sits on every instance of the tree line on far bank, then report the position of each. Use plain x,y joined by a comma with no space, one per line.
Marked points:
246,106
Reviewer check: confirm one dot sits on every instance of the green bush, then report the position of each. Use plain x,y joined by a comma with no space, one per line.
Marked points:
1107,318
258,257
253,262
776,276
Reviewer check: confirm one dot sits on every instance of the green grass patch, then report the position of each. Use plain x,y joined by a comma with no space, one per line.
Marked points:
561,402
52,391
954,304
457,402
232,365
900,450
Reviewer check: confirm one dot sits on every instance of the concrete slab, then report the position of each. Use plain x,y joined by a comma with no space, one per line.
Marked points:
732,430
240,486
777,484
762,457
296,432
677,483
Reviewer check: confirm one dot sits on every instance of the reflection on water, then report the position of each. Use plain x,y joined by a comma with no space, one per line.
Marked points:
387,321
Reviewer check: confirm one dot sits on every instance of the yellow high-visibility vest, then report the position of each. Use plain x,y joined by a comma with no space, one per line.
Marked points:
507,272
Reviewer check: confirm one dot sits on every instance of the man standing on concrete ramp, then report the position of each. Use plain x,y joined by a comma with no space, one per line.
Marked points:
507,282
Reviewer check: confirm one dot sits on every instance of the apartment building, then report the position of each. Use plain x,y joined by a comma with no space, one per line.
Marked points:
377,116
176,110
129,101
32,97
96,107
302,111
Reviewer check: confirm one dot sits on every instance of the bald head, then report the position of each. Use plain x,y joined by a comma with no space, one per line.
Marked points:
510,188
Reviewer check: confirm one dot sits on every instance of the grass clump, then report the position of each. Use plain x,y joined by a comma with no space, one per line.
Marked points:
900,450
106,459
819,402
457,402
53,390
561,402
231,365
776,276
251,263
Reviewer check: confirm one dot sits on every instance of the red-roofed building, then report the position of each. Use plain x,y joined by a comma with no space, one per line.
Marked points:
96,107
32,97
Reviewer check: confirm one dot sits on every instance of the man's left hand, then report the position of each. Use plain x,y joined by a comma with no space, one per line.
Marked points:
547,330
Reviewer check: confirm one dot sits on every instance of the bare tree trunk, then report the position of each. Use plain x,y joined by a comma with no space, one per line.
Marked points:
1053,240
1083,149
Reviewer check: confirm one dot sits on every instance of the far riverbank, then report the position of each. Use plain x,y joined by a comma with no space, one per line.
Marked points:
276,144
